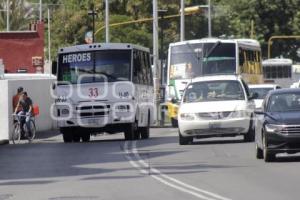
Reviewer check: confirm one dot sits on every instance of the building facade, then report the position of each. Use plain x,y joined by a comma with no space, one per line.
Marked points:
23,51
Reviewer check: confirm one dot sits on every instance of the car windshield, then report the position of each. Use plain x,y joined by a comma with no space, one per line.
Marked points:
285,102
262,92
97,66
214,91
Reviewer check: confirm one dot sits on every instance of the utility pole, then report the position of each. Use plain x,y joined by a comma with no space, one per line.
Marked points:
7,15
162,58
209,18
41,10
156,58
182,27
107,21
93,12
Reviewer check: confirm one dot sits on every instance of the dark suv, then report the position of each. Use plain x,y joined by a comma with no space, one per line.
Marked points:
277,127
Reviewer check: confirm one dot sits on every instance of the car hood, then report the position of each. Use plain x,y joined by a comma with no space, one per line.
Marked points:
212,106
287,118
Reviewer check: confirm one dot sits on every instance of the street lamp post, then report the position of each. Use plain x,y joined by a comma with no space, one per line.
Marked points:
7,15
107,21
162,57
182,27
93,12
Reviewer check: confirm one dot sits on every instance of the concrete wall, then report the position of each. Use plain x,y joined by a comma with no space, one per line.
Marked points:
38,90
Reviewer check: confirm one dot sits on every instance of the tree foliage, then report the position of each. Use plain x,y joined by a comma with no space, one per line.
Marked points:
70,21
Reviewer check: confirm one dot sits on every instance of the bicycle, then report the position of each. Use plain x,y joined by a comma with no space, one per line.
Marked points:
16,135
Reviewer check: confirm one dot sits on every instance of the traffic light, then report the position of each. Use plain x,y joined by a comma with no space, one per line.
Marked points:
192,10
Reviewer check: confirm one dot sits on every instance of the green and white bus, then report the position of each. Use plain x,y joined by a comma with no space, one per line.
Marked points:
211,56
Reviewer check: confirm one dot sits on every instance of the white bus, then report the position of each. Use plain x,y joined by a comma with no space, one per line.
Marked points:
104,88
211,56
280,71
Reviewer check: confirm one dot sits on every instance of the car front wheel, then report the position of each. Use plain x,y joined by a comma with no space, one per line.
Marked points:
185,140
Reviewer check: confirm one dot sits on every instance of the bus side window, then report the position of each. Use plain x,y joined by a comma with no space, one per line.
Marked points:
241,60
136,67
147,68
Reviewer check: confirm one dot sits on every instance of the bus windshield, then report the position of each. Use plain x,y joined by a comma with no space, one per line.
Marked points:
95,66
192,60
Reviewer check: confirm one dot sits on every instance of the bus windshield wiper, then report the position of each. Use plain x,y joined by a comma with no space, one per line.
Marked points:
212,49
196,54
107,75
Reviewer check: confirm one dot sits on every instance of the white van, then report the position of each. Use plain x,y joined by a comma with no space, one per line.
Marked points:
215,106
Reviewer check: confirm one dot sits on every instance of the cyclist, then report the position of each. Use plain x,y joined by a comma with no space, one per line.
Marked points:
16,99
25,114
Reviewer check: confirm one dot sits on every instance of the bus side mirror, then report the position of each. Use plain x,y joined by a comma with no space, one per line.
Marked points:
54,68
53,86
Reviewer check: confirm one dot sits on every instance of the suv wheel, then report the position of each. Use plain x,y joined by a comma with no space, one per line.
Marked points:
268,157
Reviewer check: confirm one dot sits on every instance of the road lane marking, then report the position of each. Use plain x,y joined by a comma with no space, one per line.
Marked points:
165,179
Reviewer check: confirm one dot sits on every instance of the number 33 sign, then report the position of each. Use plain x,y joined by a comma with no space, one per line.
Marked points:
93,92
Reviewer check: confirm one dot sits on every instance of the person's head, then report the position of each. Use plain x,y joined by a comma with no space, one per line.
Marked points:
24,95
20,90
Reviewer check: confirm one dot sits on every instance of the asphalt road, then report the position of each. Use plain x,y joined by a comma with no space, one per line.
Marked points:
110,168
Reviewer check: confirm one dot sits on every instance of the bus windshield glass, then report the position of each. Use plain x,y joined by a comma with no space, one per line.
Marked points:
192,60
95,66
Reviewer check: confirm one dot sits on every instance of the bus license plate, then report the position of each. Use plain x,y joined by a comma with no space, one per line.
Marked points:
214,125
93,121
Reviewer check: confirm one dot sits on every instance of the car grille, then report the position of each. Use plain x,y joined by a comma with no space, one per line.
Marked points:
213,115
291,130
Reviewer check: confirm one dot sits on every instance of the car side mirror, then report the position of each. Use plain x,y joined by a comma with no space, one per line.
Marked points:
253,96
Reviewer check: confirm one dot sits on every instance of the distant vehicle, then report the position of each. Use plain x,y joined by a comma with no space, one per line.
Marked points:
104,88
277,127
262,91
280,71
216,106
213,56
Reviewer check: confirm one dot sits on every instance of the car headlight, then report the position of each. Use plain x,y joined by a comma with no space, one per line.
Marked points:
188,116
273,128
237,114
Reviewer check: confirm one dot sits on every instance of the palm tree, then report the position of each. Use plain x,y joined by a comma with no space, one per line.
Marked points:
21,13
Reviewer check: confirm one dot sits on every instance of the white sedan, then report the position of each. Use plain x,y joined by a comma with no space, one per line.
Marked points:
216,106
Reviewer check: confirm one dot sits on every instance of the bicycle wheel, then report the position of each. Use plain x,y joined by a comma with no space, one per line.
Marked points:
16,135
30,136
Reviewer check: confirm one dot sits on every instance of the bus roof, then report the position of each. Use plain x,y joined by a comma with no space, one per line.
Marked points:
277,61
242,42
101,46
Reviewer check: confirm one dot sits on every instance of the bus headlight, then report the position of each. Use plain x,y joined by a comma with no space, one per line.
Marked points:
65,111
188,116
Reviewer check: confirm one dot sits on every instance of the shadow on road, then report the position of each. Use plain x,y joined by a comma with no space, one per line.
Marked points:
218,141
288,158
